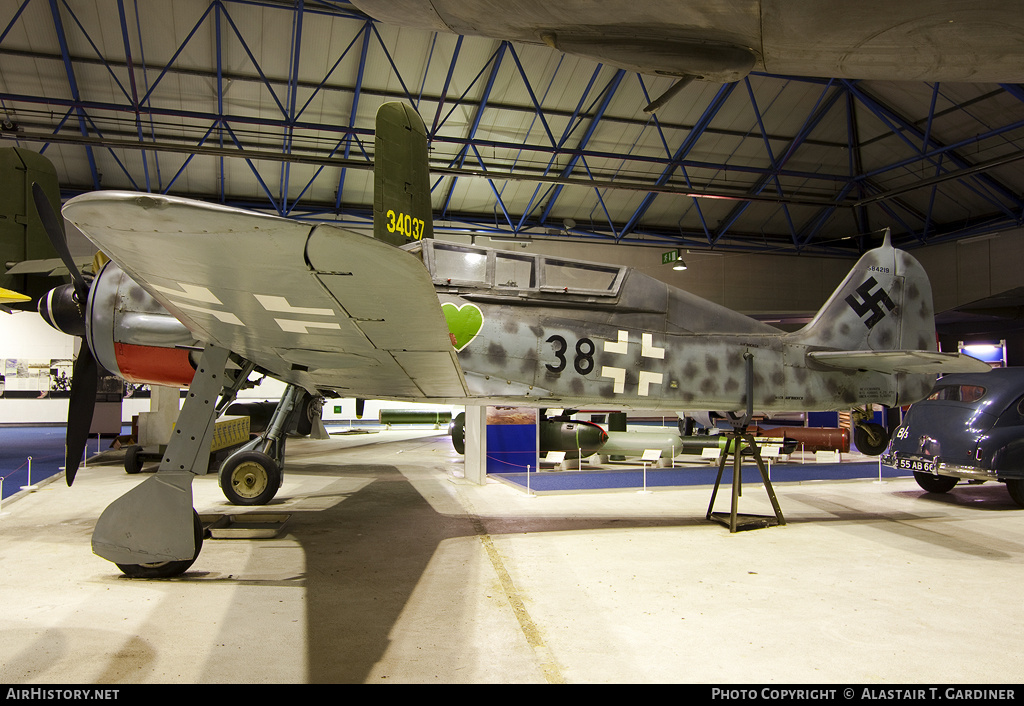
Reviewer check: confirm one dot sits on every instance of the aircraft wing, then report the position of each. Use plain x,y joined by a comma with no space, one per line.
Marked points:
928,362
313,304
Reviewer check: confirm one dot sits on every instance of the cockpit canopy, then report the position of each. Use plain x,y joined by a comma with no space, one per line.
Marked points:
487,268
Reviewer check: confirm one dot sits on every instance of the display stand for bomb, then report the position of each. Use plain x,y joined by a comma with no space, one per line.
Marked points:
733,519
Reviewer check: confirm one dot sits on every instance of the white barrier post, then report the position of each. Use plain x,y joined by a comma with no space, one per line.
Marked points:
29,486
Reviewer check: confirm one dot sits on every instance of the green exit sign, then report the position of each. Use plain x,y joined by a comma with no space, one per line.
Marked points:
667,258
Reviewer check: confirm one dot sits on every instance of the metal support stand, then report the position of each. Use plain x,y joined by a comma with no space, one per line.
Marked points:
733,519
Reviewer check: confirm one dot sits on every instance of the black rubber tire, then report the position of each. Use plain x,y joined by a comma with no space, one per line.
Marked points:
167,569
457,430
935,484
862,439
250,478
1015,486
133,460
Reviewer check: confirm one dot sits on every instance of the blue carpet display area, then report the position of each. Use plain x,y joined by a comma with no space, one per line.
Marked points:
45,444
633,478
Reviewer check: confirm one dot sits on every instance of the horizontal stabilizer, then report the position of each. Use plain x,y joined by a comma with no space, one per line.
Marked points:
926,362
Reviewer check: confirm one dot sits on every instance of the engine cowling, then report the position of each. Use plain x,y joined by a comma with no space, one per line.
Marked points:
128,331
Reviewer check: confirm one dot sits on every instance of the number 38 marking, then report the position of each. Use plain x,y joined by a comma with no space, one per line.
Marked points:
405,224
583,362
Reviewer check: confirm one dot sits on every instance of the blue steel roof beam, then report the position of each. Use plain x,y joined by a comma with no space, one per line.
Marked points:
292,100
600,200
181,47
255,172
60,126
570,127
256,65
694,201
96,51
533,96
356,93
538,115
447,85
330,72
69,70
495,62
822,106
216,124
855,167
684,149
900,124
14,20
345,140
394,68
135,92
771,157
426,72
494,190
145,78
609,93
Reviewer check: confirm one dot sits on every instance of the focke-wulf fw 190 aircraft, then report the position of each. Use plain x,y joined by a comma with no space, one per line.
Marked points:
201,295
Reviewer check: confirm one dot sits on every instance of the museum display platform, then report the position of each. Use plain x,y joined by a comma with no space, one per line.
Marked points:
386,566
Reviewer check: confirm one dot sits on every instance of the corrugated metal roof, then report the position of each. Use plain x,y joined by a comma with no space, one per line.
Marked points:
260,104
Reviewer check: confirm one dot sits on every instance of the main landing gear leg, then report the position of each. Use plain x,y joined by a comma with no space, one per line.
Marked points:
253,474
739,435
152,531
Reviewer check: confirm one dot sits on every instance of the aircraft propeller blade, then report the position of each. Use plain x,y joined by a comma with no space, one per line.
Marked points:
84,380
55,232
63,313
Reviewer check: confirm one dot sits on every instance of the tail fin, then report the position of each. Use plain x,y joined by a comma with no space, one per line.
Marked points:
881,318
401,178
885,303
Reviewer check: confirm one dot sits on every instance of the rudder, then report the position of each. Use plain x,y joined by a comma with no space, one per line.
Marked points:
401,177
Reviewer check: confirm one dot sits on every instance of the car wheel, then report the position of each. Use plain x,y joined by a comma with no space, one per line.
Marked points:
1016,488
935,484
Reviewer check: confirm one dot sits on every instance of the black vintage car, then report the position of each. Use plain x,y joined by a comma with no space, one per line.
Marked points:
971,427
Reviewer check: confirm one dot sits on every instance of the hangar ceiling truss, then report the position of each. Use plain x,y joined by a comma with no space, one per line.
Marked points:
269,105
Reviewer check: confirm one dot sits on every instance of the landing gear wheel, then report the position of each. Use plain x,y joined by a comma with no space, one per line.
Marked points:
250,478
133,460
935,484
166,569
870,438
1016,488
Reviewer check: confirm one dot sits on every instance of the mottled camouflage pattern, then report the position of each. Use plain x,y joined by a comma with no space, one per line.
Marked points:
515,354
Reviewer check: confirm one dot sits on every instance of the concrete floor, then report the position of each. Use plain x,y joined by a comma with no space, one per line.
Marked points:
392,569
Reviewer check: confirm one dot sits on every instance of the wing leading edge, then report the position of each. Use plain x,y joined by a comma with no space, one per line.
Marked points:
314,304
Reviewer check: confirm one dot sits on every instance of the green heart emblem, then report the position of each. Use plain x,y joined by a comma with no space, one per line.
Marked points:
464,323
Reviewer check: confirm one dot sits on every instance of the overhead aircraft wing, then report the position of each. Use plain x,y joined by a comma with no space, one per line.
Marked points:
313,304
53,266
928,362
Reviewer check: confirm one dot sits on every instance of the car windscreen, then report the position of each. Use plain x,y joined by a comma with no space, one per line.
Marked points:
958,393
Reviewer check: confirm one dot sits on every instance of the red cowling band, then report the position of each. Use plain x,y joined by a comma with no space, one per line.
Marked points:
153,365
